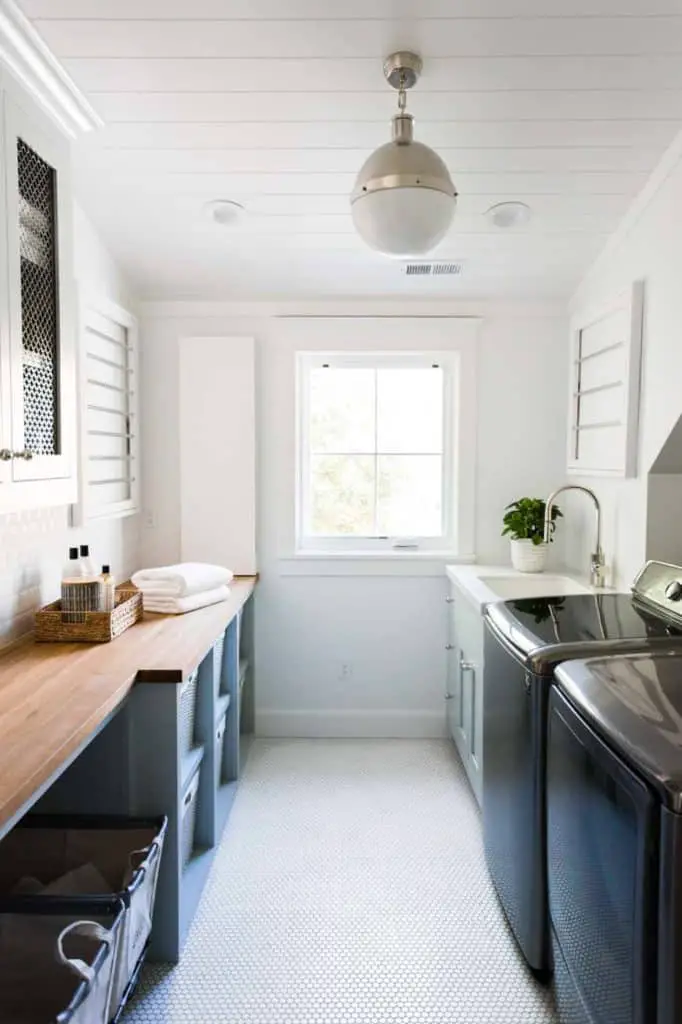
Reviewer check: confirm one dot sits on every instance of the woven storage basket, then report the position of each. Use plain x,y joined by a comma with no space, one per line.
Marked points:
92,627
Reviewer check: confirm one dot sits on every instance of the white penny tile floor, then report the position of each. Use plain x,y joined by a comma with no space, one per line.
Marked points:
350,888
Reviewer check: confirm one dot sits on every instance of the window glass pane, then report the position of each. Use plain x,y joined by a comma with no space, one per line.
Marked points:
410,411
342,410
342,495
409,496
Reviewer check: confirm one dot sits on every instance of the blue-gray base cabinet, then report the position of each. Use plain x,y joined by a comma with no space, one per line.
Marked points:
176,747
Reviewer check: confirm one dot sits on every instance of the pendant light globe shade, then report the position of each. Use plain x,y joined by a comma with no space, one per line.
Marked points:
404,201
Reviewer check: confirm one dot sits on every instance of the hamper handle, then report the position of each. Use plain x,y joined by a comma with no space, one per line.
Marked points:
146,852
93,931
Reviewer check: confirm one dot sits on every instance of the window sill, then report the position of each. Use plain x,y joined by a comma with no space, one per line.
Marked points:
371,563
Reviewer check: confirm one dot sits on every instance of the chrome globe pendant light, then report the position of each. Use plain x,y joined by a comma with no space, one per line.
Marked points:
403,201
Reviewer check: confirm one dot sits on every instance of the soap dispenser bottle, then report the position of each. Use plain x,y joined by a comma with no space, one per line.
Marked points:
108,590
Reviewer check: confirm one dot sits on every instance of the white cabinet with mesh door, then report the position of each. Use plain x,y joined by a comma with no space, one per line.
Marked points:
38,463
109,414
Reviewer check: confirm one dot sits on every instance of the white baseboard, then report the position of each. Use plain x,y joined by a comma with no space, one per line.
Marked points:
351,724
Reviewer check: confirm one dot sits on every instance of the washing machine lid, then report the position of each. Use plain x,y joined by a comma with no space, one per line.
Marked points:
635,703
548,630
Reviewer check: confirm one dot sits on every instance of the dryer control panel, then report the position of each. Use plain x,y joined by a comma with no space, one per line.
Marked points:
659,586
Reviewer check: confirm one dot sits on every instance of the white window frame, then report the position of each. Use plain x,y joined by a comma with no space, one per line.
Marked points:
453,468
83,510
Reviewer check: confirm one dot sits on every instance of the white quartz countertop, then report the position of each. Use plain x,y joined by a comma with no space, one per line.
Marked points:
483,584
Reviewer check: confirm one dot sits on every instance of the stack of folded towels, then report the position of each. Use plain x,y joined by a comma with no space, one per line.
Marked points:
174,589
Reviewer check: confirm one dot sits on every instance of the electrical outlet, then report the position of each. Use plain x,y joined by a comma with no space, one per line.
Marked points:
346,671
149,520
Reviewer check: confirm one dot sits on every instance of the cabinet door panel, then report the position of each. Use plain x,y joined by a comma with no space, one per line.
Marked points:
5,386
453,693
217,452
42,348
466,682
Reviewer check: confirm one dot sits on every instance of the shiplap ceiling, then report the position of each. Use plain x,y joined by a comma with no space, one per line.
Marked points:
276,104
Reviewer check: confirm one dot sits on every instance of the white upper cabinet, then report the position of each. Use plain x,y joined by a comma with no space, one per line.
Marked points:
38,463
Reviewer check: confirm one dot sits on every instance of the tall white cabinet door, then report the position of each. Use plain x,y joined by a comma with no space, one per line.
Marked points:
5,384
41,303
218,452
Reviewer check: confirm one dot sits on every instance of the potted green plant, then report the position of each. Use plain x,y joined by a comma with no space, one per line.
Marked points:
524,524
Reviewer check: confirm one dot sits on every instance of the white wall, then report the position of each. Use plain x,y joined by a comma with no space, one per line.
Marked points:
648,247
34,545
390,630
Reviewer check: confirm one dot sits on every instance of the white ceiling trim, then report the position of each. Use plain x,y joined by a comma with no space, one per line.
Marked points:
23,51
355,307
350,10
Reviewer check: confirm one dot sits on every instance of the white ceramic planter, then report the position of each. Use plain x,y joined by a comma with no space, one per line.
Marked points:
528,557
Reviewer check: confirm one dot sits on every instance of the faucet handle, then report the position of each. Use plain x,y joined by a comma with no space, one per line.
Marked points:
597,567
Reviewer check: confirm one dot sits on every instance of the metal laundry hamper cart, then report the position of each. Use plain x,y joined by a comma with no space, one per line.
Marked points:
57,967
126,853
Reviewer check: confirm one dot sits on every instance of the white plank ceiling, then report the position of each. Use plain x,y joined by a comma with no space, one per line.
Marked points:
276,104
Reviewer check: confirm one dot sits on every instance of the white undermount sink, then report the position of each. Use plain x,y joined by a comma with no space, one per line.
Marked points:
540,585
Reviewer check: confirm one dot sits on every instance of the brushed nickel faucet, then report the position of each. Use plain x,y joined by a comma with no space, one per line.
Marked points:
597,560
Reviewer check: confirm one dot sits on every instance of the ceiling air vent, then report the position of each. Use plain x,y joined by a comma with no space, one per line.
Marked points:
433,269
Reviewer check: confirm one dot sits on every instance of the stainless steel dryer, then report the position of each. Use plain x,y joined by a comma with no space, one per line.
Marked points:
525,641
614,800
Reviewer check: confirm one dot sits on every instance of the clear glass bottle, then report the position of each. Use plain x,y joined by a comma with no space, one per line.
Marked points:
108,590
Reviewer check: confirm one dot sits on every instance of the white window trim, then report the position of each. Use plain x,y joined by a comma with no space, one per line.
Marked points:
457,541
82,511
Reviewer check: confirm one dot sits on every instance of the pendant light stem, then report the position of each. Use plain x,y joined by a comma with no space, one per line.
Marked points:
403,129
403,133
402,94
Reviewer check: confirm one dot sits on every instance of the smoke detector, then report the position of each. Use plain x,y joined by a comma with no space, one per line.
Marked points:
224,212
509,215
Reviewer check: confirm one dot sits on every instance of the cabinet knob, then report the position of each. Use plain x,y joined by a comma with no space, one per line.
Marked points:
449,696
449,647
467,666
6,455
449,600
27,454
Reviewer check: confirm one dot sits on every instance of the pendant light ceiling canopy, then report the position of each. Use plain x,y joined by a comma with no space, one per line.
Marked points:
403,201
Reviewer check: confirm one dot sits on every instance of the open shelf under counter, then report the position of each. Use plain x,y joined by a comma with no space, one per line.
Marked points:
104,730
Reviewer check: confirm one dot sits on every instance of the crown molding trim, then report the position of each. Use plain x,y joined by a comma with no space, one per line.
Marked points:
31,61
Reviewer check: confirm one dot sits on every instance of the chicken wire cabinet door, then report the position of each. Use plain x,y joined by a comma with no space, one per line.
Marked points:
41,312
5,379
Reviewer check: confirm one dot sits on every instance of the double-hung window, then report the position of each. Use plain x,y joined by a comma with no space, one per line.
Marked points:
377,451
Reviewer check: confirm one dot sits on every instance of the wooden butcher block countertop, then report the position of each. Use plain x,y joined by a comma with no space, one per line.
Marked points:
53,697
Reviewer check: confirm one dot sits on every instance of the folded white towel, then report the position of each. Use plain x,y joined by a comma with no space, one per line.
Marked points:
180,605
182,580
